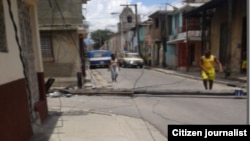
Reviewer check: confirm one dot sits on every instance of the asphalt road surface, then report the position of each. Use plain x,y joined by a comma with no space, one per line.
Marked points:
161,111
144,79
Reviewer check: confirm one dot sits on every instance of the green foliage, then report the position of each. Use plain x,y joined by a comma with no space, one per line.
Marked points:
100,36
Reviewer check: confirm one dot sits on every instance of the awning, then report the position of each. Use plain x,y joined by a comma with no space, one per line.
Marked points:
209,5
176,40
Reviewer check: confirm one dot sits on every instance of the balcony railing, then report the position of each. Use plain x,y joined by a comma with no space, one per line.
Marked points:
193,30
190,27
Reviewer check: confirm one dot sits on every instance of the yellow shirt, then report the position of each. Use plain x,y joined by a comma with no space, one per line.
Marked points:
208,63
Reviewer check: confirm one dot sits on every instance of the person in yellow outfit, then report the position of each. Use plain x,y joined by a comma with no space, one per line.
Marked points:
244,63
244,66
207,68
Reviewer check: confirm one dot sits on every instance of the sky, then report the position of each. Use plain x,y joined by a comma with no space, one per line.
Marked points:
98,12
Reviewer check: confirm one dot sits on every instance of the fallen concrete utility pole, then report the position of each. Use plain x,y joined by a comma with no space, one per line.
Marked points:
156,92
94,92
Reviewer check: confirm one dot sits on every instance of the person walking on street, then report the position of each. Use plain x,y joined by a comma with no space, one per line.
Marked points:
207,68
114,67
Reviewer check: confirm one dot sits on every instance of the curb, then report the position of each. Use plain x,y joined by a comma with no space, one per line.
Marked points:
185,92
198,78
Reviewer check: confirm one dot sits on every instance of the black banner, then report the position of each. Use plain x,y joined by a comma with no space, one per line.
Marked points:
208,132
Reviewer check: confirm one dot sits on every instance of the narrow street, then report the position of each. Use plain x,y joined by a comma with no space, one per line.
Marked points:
162,110
54,86
153,112
146,79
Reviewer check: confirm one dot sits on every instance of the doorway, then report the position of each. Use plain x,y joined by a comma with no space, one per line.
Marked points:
243,41
223,43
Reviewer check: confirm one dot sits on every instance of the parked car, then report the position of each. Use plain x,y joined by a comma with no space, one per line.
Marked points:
99,58
131,59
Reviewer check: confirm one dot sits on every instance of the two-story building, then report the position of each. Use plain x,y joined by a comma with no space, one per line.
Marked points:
62,26
23,102
224,29
145,39
158,33
184,43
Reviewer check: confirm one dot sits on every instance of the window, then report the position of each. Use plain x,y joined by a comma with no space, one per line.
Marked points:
129,19
100,54
47,52
156,22
3,45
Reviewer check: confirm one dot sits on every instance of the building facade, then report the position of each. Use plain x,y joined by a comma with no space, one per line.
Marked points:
23,98
159,31
184,43
62,27
224,31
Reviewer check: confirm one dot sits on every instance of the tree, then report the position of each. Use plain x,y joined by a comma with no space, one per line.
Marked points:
100,36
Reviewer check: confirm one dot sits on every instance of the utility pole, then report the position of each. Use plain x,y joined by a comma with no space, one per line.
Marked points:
82,61
136,26
121,32
165,39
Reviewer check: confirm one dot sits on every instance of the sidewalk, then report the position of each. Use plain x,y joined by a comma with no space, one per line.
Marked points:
236,80
69,124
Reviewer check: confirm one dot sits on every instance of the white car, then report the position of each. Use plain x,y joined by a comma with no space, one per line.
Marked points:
131,59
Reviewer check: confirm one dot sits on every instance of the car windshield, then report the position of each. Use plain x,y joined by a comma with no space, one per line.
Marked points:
100,54
132,55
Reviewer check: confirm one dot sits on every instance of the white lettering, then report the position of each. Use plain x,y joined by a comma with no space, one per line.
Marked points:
175,132
205,133
231,133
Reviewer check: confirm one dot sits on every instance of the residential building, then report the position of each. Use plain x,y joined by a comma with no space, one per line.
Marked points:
144,37
184,43
23,98
224,31
158,32
114,43
62,28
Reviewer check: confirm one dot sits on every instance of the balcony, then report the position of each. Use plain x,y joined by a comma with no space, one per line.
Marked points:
192,31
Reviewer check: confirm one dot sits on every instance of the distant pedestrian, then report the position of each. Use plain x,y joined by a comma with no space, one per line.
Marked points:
149,59
244,63
207,68
114,67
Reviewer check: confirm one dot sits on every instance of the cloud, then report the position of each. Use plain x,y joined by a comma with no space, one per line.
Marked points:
98,13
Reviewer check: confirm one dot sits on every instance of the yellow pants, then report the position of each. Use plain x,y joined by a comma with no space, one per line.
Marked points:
210,75
244,64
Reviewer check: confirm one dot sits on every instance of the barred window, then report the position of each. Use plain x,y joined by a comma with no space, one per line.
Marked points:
3,45
47,52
